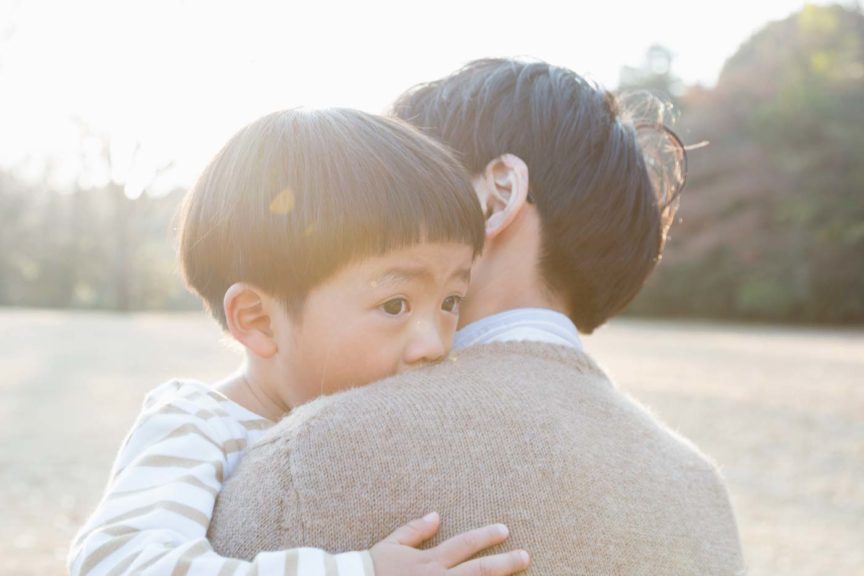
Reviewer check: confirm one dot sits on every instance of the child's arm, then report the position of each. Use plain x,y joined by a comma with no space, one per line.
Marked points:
154,516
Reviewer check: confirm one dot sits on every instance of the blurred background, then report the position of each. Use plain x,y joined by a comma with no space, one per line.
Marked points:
747,338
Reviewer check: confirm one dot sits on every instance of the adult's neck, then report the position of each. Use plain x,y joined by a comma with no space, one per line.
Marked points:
507,275
496,297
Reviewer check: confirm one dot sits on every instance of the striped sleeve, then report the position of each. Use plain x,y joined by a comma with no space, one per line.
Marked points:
154,515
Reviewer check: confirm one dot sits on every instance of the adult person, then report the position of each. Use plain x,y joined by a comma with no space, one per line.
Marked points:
519,425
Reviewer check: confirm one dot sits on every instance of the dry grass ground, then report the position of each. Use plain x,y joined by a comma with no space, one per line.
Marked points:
781,411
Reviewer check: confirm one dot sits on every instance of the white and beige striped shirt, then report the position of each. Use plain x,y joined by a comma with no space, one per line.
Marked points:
154,515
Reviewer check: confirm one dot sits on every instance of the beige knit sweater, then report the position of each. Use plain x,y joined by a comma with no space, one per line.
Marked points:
529,434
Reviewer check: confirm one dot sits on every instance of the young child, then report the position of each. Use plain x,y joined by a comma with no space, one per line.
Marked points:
335,247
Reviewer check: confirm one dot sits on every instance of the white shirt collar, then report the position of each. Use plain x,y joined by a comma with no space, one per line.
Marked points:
532,324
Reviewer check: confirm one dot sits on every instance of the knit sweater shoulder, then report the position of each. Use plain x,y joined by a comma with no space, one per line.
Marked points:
529,434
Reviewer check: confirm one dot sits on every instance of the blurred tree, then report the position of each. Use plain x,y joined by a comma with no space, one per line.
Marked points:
654,75
91,247
14,233
774,211
123,237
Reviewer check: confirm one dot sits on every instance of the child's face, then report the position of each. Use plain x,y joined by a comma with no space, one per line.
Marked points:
374,318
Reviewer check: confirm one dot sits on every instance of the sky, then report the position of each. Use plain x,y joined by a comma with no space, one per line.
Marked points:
174,79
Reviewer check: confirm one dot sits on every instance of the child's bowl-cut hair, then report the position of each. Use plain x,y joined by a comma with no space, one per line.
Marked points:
296,195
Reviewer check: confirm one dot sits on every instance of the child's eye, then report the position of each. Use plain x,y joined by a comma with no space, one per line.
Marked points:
451,304
395,307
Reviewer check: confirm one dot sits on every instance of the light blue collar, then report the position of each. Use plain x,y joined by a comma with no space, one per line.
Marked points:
532,324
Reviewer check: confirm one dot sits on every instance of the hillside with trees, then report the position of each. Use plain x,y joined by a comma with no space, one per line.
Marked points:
772,221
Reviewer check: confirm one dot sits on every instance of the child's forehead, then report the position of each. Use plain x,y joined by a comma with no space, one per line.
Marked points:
425,262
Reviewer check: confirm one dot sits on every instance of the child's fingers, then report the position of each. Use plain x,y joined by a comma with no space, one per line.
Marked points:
416,531
462,546
497,565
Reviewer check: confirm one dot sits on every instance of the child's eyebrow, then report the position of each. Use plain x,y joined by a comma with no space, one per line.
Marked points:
404,274
463,274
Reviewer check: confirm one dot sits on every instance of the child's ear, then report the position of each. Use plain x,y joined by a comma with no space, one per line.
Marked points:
505,181
248,317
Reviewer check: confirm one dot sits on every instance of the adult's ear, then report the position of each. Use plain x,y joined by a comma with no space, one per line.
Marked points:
247,312
505,183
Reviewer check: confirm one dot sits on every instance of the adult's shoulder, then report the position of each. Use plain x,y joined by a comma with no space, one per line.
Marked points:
534,435
504,375
479,370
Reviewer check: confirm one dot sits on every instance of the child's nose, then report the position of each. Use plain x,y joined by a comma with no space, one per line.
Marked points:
427,345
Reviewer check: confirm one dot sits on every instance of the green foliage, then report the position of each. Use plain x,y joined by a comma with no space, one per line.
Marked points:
779,229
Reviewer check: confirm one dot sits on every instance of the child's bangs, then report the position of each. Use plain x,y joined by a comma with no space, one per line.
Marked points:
366,185
297,195
346,186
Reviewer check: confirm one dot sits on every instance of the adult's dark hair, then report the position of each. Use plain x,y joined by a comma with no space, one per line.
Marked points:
296,195
604,173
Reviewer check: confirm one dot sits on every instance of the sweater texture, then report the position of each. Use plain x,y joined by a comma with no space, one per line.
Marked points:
529,434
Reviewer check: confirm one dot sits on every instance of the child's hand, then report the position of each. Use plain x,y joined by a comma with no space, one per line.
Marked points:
397,554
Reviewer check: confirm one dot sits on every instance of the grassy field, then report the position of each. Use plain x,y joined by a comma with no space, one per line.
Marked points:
781,410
